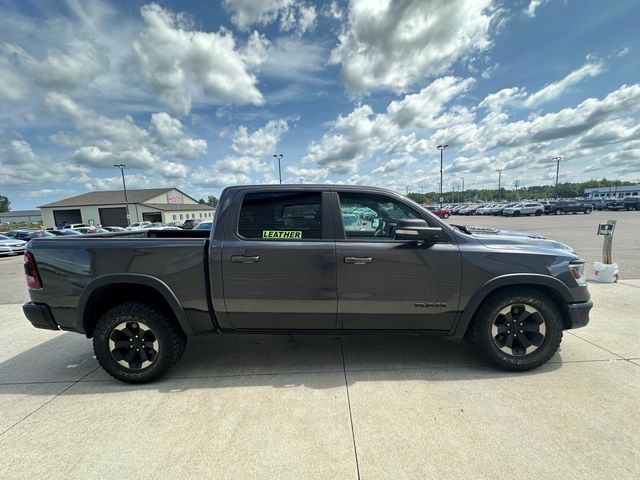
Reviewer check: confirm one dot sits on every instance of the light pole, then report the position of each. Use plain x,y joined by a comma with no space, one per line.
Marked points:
557,159
499,170
441,148
462,198
122,166
278,157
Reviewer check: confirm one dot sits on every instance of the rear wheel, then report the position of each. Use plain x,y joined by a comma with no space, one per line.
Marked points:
558,211
538,213
518,329
137,343
587,211
445,215
516,213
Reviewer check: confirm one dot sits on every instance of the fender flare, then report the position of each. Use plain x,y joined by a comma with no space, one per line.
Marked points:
138,279
512,279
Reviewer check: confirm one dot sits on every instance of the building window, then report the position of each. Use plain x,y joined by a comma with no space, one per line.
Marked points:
181,216
174,216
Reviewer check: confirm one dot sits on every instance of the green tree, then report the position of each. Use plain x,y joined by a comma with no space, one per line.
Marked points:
5,204
212,201
202,202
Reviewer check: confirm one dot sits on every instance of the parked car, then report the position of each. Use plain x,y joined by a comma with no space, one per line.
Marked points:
65,232
615,204
206,225
598,204
154,225
115,229
27,235
524,208
510,296
440,212
74,225
137,225
11,246
91,230
469,209
485,209
498,208
572,206
549,206
631,203
190,223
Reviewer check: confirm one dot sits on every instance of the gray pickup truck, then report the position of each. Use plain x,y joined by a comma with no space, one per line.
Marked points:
279,259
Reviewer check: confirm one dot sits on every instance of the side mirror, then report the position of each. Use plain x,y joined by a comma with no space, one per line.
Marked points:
417,229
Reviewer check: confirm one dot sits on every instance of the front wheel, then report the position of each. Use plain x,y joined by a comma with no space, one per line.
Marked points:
518,329
137,343
445,215
558,211
587,211
516,213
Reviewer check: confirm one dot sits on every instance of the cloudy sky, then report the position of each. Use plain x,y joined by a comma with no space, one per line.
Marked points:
200,95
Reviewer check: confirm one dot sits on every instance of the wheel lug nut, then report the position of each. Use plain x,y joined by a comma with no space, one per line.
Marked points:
508,331
137,349
521,331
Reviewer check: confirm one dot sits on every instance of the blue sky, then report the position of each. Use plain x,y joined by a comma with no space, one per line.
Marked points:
200,95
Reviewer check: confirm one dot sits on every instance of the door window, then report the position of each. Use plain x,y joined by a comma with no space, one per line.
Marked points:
372,217
281,216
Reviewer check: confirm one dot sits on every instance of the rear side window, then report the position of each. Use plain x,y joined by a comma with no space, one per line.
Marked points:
281,216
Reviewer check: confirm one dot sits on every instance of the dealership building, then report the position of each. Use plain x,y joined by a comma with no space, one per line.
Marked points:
612,192
109,208
21,216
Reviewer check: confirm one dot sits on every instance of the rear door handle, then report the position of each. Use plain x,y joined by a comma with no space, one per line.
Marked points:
358,260
245,258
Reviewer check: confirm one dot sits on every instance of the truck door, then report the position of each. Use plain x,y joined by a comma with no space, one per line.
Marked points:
384,283
279,261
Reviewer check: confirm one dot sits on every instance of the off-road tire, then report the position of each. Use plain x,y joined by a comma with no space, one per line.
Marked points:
480,338
170,338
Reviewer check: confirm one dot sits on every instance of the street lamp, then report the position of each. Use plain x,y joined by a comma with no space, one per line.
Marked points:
279,157
462,198
122,166
557,159
441,148
499,170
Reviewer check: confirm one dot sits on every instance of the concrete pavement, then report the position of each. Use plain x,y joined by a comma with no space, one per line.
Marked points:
325,407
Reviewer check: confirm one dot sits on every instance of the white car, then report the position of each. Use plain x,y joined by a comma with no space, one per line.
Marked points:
138,225
524,208
486,210
11,246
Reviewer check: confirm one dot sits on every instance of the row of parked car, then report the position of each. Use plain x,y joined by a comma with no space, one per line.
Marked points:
14,242
528,207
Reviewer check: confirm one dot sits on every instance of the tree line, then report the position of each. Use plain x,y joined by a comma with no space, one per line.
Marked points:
565,190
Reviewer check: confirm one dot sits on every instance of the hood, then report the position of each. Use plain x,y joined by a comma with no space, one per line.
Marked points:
500,238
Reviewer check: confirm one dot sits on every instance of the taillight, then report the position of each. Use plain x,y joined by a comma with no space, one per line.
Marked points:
31,271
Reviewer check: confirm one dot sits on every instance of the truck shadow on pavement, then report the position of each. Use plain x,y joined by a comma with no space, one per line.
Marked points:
264,360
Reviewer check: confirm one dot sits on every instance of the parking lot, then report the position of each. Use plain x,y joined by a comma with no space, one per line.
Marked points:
331,407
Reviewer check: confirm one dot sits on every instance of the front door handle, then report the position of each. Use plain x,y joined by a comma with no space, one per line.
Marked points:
245,258
358,260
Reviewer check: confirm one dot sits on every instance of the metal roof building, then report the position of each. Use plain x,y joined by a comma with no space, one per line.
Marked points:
108,208
21,216
612,191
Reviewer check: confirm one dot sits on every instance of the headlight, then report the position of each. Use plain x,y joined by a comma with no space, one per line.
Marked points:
578,272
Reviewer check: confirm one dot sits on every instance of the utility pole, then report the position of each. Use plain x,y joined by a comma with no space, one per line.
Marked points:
499,170
441,148
557,159
278,156
517,184
462,196
122,166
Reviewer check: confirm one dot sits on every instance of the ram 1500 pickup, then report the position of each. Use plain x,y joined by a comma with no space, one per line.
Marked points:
285,259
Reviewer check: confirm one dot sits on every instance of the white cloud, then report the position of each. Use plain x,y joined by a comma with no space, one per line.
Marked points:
555,89
178,63
397,44
251,159
395,164
533,6
294,16
101,141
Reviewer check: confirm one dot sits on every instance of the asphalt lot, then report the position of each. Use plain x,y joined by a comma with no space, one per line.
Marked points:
363,407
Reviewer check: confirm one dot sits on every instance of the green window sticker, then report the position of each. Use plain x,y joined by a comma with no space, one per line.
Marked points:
289,234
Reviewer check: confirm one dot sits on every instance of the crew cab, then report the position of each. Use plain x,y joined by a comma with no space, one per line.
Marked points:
280,259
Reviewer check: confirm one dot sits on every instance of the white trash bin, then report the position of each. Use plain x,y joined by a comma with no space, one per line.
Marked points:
605,272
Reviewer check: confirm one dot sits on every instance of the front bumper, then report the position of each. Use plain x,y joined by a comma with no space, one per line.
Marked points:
39,315
11,250
579,313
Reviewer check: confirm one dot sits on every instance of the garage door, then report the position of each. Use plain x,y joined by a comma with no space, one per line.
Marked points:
152,217
113,217
67,216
